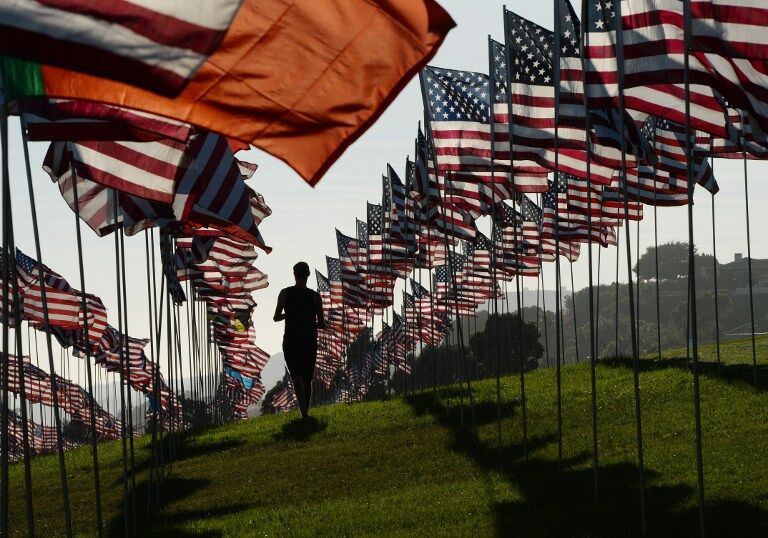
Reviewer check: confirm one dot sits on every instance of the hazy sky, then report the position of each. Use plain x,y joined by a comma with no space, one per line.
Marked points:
303,220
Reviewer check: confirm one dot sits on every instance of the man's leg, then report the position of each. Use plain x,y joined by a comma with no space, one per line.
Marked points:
308,392
298,387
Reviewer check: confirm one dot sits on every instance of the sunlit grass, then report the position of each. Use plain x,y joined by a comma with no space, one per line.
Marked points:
409,465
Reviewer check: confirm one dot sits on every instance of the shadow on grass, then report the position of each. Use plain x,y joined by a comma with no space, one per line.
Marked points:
300,429
158,522
177,448
730,373
560,501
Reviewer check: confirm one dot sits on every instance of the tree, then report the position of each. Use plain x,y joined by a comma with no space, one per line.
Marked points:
673,262
500,341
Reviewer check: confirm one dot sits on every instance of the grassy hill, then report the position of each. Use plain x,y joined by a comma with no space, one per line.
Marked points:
407,466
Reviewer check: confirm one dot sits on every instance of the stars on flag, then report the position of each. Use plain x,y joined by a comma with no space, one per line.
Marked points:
457,95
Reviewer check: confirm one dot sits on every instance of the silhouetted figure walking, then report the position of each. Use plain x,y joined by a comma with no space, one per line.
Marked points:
302,310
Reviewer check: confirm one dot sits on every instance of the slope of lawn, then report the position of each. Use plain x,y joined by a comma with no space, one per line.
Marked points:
408,466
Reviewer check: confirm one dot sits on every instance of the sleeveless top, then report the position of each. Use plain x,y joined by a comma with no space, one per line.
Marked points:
300,314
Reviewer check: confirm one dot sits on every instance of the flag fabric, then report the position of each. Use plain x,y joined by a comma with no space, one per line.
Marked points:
288,77
75,120
354,291
159,47
733,28
532,95
62,302
200,186
458,110
652,72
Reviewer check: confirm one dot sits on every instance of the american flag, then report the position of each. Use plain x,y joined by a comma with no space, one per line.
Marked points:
458,109
399,221
743,134
144,169
511,255
652,187
532,94
334,278
209,192
607,127
561,225
284,399
156,47
599,201
350,257
731,27
529,175
324,289
48,119
476,194
667,140
62,302
378,260
427,184
653,81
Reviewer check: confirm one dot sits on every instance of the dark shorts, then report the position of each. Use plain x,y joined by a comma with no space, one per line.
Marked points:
300,355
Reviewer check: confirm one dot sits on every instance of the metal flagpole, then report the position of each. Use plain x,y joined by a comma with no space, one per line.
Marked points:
453,279
630,285
10,272
616,296
494,274
155,374
656,252
87,346
694,339
10,279
749,254
558,305
4,409
584,40
128,373
128,509
573,310
544,304
714,276
520,346
44,298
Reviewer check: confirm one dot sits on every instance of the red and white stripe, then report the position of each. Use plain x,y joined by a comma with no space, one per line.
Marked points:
154,45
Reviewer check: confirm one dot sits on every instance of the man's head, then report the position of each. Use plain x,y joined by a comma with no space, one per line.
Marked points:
301,272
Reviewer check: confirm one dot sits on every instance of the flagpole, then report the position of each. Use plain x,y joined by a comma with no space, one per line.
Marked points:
4,408
123,434
521,348
11,265
87,347
656,250
592,322
494,273
155,373
692,262
44,299
630,285
714,276
749,253
448,266
558,310
543,303
128,373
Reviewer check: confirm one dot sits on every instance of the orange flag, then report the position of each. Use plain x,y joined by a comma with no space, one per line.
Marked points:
300,79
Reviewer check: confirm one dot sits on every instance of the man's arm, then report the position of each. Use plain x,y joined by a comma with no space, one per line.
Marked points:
279,314
319,311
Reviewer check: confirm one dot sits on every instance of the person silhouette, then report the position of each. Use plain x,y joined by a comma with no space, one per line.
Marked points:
302,310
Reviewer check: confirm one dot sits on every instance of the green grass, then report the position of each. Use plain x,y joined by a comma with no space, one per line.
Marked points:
408,466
